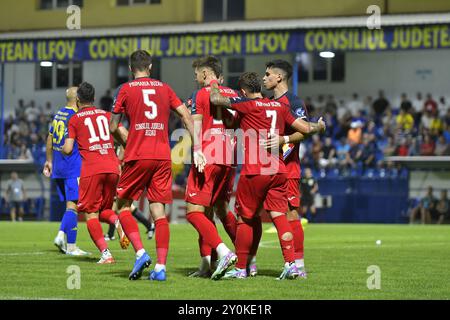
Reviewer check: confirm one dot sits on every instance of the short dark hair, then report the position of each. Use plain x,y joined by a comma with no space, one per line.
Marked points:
140,60
282,65
250,81
86,93
209,62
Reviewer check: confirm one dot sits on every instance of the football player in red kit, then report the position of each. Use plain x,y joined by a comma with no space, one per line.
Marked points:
89,128
277,75
209,191
263,180
147,104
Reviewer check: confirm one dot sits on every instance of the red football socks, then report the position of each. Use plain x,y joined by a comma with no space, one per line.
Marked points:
96,233
257,233
162,236
299,238
287,246
108,216
131,229
244,241
230,225
205,228
205,250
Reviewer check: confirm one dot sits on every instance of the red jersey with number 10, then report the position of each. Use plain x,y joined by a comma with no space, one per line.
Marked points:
90,128
147,104
259,117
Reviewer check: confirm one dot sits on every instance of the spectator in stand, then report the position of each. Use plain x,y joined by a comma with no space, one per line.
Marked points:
441,212
355,105
405,121
366,153
331,105
32,112
430,105
425,122
25,153
390,149
328,154
352,154
20,109
320,104
403,149
442,106
405,104
367,106
436,126
427,146
380,105
442,147
418,103
355,132
106,101
332,124
426,204
447,119
48,110
342,149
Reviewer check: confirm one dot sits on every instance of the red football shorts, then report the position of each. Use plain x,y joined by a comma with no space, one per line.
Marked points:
155,176
97,192
214,183
293,192
254,191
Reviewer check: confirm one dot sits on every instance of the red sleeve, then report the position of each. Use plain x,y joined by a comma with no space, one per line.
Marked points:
119,100
198,102
241,105
174,101
72,128
288,117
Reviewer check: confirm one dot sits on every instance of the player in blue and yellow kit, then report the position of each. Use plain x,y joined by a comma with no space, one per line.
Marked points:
65,170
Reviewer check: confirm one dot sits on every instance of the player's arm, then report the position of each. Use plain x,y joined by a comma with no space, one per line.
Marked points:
303,130
120,133
48,166
216,98
193,126
70,138
68,146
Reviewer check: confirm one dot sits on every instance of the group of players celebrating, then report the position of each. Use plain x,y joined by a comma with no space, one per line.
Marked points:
223,124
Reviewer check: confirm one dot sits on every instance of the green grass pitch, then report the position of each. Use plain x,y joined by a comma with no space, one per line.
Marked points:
414,262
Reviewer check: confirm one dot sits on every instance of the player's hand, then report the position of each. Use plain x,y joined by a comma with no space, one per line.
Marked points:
199,160
274,141
47,169
322,125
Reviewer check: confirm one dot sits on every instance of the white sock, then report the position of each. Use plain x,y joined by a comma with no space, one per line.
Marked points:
159,267
222,250
60,234
253,260
140,253
71,247
300,263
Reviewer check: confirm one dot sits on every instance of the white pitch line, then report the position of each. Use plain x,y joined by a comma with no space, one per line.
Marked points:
22,254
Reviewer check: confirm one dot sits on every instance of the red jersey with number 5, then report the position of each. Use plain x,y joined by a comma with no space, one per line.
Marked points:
147,103
90,128
258,118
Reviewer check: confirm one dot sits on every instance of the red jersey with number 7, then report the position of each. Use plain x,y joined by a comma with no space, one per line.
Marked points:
147,104
89,127
258,118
